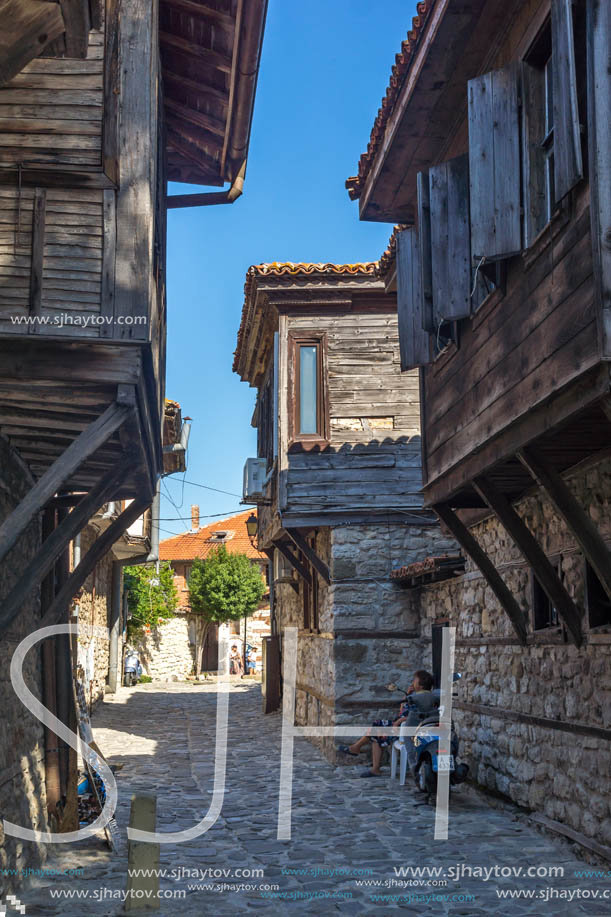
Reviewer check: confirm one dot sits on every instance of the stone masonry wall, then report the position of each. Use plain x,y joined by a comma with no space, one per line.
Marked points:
368,631
94,611
22,773
166,653
565,776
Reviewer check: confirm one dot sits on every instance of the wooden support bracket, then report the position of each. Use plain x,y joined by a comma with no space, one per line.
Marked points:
294,562
58,541
568,507
479,557
96,552
535,555
52,480
319,565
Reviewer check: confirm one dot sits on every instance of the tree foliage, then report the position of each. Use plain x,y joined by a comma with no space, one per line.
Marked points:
226,587
151,598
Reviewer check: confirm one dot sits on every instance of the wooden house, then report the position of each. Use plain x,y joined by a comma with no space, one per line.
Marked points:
491,150
337,479
101,104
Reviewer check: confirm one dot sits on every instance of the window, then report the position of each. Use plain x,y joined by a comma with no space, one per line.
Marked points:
538,135
544,613
310,591
187,573
598,603
437,643
308,411
265,420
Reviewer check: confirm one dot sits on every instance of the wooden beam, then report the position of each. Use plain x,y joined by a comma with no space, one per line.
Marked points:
532,551
576,518
213,125
191,151
38,247
200,9
94,555
58,541
60,471
213,58
486,567
26,28
303,572
319,565
185,84
78,22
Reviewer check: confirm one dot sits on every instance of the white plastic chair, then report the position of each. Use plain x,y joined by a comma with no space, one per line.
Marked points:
399,750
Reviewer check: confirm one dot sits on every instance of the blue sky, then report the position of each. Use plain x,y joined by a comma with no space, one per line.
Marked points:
324,68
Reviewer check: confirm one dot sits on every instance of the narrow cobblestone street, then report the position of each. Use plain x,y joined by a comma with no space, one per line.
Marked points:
164,738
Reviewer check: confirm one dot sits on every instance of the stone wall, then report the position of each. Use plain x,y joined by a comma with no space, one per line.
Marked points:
22,773
94,611
369,629
563,775
166,653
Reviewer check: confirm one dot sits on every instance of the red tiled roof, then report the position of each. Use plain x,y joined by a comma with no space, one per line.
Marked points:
398,74
441,563
292,269
388,256
197,544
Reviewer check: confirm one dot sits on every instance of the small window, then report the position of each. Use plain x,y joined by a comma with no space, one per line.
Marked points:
598,603
309,422
544,612
188,573
538,105
310,592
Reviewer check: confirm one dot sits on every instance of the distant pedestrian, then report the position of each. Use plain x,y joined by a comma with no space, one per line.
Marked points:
251,662
235,662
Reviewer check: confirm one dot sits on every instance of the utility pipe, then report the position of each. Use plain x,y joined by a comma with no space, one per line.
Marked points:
208,198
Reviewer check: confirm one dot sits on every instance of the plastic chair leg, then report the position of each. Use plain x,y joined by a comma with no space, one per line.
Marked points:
403,768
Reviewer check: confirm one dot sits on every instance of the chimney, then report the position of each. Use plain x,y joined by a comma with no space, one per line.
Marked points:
195,518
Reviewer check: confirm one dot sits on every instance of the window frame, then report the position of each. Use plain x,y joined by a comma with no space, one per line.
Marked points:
321,438
589,571
536,590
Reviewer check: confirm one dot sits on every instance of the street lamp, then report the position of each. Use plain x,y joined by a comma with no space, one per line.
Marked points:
251,528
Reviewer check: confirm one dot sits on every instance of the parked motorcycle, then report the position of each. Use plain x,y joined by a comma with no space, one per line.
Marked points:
421,751
132,669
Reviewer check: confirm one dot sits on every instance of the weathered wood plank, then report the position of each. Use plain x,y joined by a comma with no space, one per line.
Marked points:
26,27
414,342
57,541
479,557
494,164
77,453
568,166
424,243
533,553
38,243
108,262
599,152
96,552
575,516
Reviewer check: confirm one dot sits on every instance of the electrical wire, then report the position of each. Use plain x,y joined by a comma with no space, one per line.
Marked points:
217,490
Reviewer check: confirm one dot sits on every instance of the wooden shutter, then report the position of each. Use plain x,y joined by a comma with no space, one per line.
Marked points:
599,148
424,245
494,164
568,166
414,342
450,241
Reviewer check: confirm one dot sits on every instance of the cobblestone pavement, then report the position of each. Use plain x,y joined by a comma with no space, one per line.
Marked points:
357,829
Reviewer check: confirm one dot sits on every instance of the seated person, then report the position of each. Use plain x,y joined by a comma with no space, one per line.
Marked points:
421,703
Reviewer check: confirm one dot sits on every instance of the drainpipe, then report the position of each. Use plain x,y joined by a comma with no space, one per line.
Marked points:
181,445
208,198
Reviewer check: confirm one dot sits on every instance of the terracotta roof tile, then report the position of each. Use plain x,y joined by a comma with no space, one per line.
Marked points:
197,544
400,69
292,269
388,256
442,564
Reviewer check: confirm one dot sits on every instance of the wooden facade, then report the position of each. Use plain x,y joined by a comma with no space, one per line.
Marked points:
364,461
496,158
88,132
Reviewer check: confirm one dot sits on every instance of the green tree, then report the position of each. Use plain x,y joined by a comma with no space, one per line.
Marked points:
151,597
225,587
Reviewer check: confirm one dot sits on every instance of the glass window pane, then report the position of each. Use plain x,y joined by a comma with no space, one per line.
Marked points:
308,384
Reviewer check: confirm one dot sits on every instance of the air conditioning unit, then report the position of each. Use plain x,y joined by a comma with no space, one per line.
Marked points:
255,472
